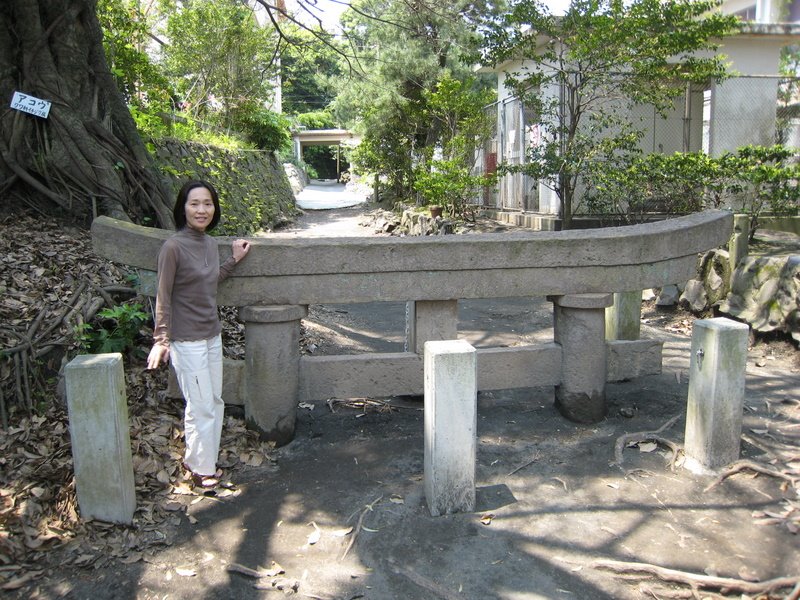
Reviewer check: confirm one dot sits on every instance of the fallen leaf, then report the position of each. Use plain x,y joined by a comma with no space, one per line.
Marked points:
396,499
486,519
18,582
184,572
343,532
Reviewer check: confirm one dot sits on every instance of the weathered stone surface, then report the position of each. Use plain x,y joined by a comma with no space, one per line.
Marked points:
623,318
272,366
765,293
715,273
415,223
101,446
694,296
669,295
451,426
298,179
253,186
717,367
330,270
579,327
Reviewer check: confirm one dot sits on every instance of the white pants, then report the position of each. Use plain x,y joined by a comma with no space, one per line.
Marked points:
198,366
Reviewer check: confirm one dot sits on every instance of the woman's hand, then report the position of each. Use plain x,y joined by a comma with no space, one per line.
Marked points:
240,248
158,353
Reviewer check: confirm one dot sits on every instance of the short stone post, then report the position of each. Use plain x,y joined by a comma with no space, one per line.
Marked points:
579,328
101,445
623,317
716,394
430,320
272,369
451,408
738,244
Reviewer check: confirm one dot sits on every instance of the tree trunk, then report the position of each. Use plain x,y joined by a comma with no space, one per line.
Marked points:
86,158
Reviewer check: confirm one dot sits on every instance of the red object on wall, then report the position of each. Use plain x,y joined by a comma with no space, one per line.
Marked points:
490,162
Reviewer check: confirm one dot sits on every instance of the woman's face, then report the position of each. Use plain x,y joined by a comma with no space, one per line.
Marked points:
199,208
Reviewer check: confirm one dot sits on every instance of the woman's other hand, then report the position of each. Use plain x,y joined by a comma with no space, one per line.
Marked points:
158,353
240,248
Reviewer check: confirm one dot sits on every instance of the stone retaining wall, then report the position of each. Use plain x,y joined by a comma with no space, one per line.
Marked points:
254,190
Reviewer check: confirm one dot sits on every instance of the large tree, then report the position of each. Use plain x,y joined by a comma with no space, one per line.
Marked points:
404,50
87,156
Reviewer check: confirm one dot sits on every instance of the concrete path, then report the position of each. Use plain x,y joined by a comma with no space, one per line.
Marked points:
326,194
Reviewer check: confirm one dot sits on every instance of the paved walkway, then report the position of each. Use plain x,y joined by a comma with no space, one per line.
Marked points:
325,194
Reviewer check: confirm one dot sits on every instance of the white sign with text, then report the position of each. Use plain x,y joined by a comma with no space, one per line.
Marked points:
30,104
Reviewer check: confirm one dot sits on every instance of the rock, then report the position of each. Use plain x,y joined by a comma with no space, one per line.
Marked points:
648,295
419,223
765,292
296,176
694,296
669,296
714,271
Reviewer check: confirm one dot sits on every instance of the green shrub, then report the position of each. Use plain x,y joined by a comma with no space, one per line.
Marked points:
116,330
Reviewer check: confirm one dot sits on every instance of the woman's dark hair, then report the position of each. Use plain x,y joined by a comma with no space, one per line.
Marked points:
179,211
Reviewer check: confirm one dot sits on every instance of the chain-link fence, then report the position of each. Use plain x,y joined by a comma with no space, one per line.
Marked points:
717,118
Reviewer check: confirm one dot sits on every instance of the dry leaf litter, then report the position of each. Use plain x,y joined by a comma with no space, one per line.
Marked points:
50,281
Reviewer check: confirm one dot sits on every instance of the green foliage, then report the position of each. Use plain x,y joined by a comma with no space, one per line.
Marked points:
446,179
126,25
677,183
318,119
766,179
220,60
752,180
267,130
117,330
404,49
450,184
310,67
605,58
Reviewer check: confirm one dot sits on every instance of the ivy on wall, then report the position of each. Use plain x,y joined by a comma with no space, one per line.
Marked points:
254,192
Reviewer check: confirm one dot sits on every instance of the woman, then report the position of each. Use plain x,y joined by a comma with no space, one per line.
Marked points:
187,328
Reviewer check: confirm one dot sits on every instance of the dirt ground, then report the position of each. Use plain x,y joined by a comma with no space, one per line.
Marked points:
341,509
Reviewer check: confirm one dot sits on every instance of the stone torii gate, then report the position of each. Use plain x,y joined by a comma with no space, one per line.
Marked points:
576,270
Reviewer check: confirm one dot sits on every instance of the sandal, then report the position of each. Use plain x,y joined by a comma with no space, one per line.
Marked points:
204,481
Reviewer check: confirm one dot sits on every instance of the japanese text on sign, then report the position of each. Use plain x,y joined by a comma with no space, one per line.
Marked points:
30,105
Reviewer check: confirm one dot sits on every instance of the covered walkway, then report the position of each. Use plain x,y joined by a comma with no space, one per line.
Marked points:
324,137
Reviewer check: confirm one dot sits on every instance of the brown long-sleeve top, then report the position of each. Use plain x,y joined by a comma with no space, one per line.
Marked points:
186,300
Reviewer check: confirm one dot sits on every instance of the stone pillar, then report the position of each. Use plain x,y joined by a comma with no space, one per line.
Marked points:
272,369
451,408
623,318
716,394
579,328
101,445
430,320
740,239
